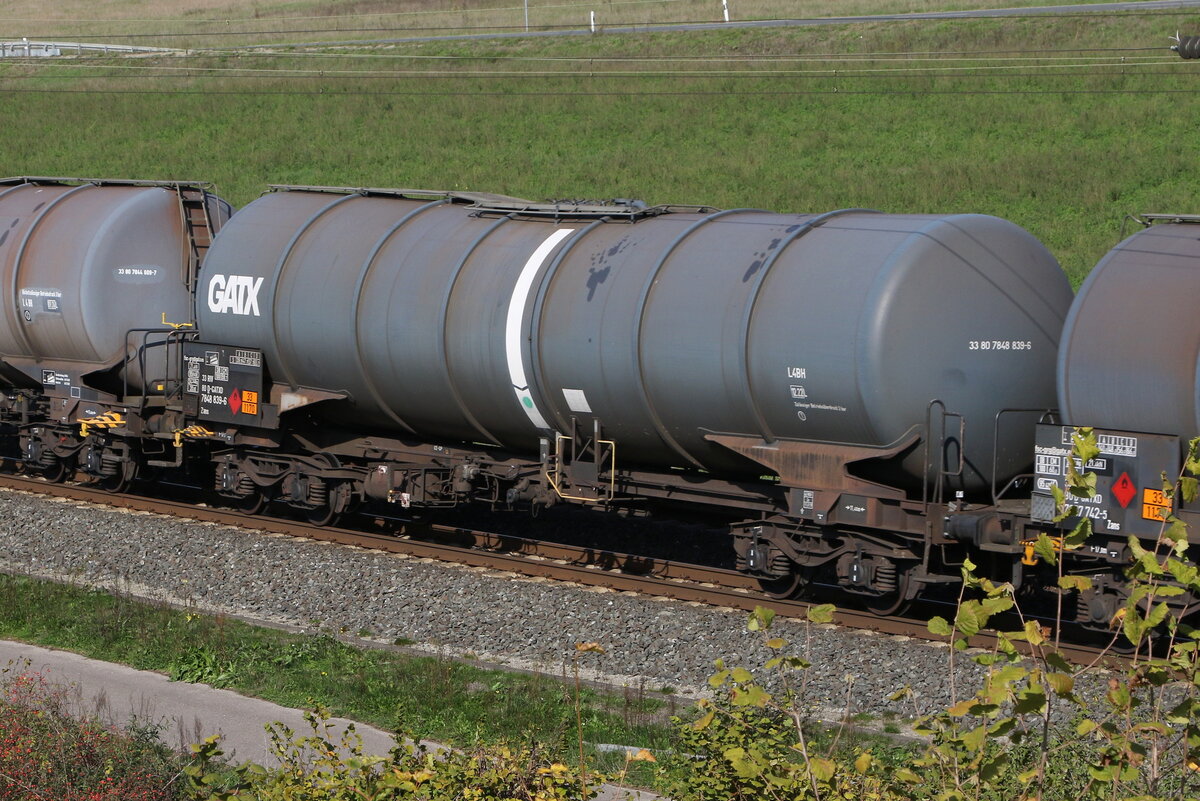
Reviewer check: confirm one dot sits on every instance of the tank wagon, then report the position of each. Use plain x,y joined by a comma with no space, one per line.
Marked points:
1127,367
96,277
854,393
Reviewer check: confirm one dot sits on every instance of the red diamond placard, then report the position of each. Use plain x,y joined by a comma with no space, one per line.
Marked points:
1124,490
235,403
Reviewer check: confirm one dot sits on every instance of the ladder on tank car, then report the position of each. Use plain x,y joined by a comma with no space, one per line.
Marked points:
197,224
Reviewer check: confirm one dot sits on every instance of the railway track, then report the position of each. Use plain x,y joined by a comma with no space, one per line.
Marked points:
621,572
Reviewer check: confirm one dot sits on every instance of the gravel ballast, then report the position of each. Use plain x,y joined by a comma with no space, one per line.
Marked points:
452,610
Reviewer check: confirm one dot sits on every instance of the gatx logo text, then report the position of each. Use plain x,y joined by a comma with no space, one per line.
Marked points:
234,294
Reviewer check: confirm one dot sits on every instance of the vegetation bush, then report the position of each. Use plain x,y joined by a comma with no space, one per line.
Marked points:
1031,731
319,767
48,753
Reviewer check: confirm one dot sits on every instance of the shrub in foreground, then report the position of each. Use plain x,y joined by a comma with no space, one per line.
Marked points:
47,753
321,767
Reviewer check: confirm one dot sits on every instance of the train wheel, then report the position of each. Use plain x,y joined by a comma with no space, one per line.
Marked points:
322,516
251,504
893,603
792,585
114,484
57,473
126,472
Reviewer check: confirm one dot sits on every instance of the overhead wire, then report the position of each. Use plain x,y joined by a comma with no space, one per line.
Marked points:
957,70
624,94
1075,53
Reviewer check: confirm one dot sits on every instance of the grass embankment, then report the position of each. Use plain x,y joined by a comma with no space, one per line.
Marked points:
441,699
198,23
1063,125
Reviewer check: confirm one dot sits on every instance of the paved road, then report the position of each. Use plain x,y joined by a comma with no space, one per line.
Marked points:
983,13
191,712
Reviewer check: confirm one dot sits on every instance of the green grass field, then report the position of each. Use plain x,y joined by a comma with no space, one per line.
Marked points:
1063,124
451,701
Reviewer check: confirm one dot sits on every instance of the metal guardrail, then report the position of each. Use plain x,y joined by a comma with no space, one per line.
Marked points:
25,48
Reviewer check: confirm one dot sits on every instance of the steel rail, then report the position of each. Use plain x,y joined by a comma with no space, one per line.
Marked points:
620,572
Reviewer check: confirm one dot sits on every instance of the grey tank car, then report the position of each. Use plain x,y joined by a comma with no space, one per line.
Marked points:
502,323
855,395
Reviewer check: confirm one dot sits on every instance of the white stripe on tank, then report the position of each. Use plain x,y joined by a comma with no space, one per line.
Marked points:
514,326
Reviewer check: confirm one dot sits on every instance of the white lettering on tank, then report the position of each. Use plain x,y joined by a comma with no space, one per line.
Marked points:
236,294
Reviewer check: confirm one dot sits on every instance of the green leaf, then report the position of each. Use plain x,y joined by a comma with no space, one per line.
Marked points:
962,708
796,663
822,768
1177,531
741,675
1057,661
1083,444
1145,560
1185,573
1002,727
996,605
1061,683
1085,727
1009,674
975,738
863,763
760,618
1045,548
775,643
970,618
742,766
1031,700
1079,535
749,696
1157,615
940,626
704,722
1182,712
1192,463
1075,582
989,769
906,775
1189,488
821,614
1034,633
1119,698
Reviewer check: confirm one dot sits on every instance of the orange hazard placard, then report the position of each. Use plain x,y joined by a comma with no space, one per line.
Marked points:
249,402
1154,497
1155,505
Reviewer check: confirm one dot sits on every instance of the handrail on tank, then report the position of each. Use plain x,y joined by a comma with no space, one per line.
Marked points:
484,203
1046,417
942,473
1148,219
41,179
140,354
